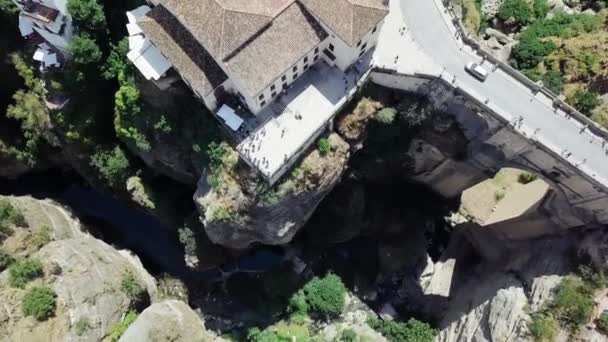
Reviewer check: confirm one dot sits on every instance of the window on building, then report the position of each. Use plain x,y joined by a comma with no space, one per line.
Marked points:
261,97
274,94
316,58
284,78
363,46
305,59
273,87
361,53
358,43
262,104
331,47
305,66
284,85
375,28
316,50
295,75
295,68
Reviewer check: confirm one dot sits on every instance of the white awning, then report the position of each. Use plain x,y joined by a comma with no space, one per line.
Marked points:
137,13
40,55
133,29
51,59
230,118
150,62
25,26
137,43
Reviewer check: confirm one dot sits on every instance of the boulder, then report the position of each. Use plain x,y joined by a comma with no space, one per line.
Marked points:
499,36
271,216
170,320
85,273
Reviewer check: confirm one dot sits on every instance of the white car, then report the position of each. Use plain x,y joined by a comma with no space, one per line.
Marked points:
477,71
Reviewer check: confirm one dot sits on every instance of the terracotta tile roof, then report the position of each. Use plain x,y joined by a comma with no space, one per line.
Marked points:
182,49
349,19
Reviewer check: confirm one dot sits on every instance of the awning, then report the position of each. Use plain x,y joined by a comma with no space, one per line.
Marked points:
150,62
230,118
133,29
40,55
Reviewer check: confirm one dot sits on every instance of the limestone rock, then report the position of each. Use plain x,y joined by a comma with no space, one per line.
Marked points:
491,7
270,216
85,273
170,320
500,37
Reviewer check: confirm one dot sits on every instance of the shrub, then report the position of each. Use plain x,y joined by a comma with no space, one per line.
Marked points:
8,7
530,51
526,178
585,101
324,297
298,305
323,146
88,15
411,331
518,10
573,303
348,335
40,238
602,322
553,80
117,330
23,271
543,327
82,326
541,9
386,116
188,239
5,260
39,301
117,65
113,165
10,214
131,287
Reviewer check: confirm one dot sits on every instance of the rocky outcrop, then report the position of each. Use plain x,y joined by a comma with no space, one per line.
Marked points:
243,210
170,320
85,274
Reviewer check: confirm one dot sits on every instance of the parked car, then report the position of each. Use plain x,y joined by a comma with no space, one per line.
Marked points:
477,71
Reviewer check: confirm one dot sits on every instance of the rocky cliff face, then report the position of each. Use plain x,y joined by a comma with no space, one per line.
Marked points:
169,320
84,272
244,211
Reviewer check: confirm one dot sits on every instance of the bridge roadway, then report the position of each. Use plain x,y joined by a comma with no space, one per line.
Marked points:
432,32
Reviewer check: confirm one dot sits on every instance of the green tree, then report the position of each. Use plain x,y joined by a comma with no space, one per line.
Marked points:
113,165
117,65
8,7
84,50
325,297
541,9
518,10
573,302
410,331
23,271
530,51
39,301
585,101
88,15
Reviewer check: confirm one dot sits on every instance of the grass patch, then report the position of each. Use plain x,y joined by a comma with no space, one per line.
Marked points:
82,326
324,147
117,330
543,327
131,287
471,15
23,271
39,302
526,178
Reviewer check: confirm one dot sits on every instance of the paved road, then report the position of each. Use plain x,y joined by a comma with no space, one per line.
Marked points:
429,29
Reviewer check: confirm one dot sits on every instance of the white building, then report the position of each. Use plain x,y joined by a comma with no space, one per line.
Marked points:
48,25
255,48
253,52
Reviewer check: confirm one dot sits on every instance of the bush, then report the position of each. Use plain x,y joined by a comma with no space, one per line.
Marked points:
348,335
518,10
23,271
10,215
131,287
543,327
40,238
5,260
113,165
8,7
530,51
541,9
88,15
585,101
39,301
321,297
386,116
526,178
117,65
117,330
82,326
554,81
188,239
573,303
84,50
602,322
323,146
411,331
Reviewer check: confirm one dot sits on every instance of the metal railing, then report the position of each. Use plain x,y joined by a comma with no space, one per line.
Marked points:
558,103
